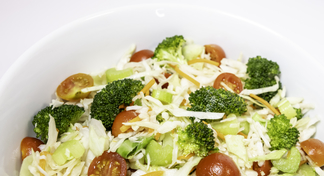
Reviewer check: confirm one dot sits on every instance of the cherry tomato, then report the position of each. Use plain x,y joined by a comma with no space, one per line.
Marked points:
230,80
108,164
121,118
70,88
28,144
217,164
315,150
216,52
141,55
265,168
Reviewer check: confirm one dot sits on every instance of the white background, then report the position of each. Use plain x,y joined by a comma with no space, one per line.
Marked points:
24,22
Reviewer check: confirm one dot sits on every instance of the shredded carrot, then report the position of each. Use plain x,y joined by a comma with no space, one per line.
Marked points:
176,68
185,157
157,136
154,173
302,162
148,86
242,134
220,135
150,130
126,127
265,103
147,93
203,60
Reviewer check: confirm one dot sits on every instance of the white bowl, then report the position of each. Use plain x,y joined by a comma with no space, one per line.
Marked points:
98,41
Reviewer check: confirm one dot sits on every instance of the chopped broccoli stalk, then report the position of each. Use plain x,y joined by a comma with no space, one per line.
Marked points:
105,106
67,151
262,73
63,115
290,164
162,95
129,148
286,108
228,127
246,126
209,99
282,134
256,117
196,138
170,49
112,74
160,155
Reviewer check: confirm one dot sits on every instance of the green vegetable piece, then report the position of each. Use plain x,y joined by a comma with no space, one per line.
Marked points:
305,169
162,95
286,108
262,73
105,106
209,99
246,126
256,117
196,138
24,171
64,116
126,148
281,133
159,156
112,74
289,164
277,154
67,151
129,148
192,51
170,49
227,127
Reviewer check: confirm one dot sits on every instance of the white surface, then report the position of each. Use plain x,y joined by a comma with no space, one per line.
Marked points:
23,23
240,26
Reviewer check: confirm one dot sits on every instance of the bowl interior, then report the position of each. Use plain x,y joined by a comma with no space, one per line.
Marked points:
97,42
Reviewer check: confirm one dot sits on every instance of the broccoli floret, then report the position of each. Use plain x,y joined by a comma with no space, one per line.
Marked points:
209,99
281,133
196,138
105,106
170,49
63,115
159,118
299,113
262,73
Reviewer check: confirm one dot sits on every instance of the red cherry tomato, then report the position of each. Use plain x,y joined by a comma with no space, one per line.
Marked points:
230,80
141,55
216,52
108,164
315,150
121,118
265,168
70,88
28,144
217,164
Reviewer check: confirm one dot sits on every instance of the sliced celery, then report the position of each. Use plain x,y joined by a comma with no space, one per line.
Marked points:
112,74
289,164
287,109
305,169
227,127
246,126
162,95
159,156
277,154
67,151
256,117
129,148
